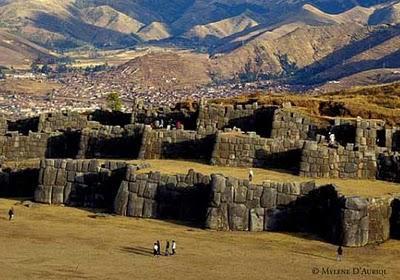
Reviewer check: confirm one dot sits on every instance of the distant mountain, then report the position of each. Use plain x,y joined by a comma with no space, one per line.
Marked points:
307,41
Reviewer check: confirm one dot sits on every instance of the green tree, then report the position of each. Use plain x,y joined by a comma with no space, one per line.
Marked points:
2,76
114,101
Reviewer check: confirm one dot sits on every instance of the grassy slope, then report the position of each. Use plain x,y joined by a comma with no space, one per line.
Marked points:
64,243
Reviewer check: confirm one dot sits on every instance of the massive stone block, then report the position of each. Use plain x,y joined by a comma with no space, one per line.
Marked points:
257,219
43,194
355,222
238,217
217,218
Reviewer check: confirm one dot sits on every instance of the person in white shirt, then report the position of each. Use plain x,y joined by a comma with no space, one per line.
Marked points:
173,247
332,139
155,249
251,175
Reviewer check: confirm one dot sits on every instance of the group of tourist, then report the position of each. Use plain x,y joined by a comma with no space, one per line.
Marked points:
168,246
169,126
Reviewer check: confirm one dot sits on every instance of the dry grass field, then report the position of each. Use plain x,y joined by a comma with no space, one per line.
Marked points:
367,188
30,87
46,242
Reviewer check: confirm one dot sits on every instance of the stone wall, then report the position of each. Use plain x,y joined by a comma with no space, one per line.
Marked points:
19,181
247,150
62,121
175,144
14,146
3,125
293,125
218,202
88,183
249,117
111,142
238,205
24,126
365,221
321,161
367,133
300,207
155,195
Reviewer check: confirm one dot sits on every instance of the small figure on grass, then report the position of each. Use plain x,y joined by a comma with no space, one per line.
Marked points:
251,175
339,254
167,248
158,248
173,247
155,249
11,214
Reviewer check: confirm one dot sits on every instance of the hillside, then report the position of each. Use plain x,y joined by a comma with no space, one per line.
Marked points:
309,42
162,71
18,52
369,102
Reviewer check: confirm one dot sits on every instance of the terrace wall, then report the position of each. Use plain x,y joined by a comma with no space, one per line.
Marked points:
175,144
248,150
321,161
87,183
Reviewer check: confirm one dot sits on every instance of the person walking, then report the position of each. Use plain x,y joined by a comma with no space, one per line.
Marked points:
11,214
167,248
251,175
155,249
158,248
173,247
339,254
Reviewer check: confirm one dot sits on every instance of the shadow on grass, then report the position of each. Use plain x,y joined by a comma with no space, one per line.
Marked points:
142,251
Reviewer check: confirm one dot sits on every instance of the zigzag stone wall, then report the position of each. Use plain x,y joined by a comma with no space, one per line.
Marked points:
218,202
